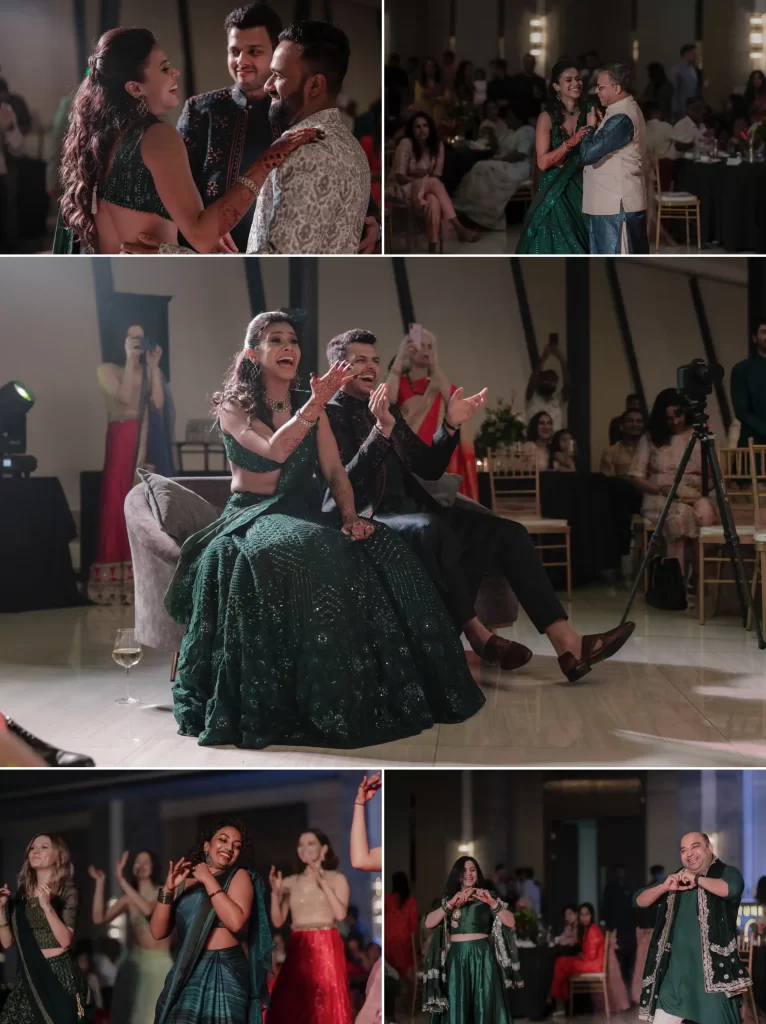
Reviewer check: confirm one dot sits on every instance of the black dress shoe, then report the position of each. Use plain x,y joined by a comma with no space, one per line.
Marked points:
52,756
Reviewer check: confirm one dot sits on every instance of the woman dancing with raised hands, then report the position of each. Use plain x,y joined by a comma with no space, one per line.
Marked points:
126,173
141,976
296,635
312,987
39,921
363,858
472,961
217,905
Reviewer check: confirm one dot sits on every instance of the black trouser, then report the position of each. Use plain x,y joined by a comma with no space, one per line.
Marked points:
626,953
627,503
459,547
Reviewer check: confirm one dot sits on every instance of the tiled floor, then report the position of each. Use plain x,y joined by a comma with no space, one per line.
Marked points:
677,694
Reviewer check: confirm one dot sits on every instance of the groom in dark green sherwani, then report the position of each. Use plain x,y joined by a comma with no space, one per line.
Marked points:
693,970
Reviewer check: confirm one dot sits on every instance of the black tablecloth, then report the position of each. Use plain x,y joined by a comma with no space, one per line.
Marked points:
36,528
458,161
586,501
759,977
537,966
733,202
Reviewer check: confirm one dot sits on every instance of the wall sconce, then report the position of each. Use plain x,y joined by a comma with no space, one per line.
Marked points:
537,37
466,849
756,36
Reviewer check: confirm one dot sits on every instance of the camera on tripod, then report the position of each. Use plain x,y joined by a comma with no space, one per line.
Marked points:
694,382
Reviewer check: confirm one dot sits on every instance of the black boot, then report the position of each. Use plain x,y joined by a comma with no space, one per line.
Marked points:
51,755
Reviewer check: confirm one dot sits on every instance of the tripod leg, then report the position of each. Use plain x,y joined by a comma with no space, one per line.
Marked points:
701,580
653,540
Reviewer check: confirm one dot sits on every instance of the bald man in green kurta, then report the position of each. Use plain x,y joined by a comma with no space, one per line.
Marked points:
693,971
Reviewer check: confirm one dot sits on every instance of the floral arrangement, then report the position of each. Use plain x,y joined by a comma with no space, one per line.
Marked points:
527,925
457,122
502,428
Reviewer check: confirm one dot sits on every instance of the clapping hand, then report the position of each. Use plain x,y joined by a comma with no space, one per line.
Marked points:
276,880
43,894
323,388
460,409
5,894
381,410
96,874
119,867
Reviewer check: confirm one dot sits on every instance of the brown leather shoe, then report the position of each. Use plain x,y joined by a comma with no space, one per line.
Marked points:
506,653
611,642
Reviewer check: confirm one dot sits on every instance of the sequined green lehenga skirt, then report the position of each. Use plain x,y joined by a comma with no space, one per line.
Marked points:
296,635
475,988
17,1009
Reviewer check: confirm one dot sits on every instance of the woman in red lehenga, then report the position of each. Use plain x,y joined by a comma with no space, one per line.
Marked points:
422,391
128,447
365,859
589,961
312,987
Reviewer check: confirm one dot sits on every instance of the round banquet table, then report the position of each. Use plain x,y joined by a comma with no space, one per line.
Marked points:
733,209
458,161
537,966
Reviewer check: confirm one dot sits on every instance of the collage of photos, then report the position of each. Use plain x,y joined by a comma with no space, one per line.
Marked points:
382,512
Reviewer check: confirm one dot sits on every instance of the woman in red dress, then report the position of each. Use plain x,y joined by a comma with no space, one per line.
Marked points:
419,387
401,915
312,987
589,961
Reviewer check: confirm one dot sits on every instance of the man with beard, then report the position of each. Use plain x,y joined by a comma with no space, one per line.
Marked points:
693,971
543,393
316,201
227,129
459,546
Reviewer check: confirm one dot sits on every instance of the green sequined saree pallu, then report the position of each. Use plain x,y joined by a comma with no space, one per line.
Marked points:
470,982
297,635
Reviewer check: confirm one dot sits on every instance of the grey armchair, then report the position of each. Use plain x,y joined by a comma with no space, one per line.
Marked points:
155,556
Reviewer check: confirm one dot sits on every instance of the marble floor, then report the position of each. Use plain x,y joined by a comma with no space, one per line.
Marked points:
678,694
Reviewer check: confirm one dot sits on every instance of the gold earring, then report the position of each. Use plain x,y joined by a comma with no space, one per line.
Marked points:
143,110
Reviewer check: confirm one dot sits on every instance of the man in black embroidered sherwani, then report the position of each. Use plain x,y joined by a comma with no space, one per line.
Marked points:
693,970
458,546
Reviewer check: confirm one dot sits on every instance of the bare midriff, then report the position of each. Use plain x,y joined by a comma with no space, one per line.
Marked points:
243,481
141,934
467,938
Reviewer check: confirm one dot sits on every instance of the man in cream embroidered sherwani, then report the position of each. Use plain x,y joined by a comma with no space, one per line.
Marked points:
317,200
614,186
693,971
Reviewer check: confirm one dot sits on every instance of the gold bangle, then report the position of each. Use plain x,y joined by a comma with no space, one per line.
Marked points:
242,180
306,422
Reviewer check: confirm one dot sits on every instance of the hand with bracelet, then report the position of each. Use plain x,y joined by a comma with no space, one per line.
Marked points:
177,874
5,895
460,409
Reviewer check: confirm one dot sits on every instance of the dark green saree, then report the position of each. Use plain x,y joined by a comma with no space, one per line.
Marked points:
555,223
222,985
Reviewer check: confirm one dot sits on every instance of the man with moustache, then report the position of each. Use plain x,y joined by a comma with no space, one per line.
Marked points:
459,546
227,129
693,971
315,203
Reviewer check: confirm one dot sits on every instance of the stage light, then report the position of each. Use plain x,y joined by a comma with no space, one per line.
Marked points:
466,849
15,402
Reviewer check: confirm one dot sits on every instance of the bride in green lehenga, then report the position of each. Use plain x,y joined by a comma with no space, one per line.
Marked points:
472,962
555,222
304,627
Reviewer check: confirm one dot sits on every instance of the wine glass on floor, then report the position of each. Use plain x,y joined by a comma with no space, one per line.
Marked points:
127,652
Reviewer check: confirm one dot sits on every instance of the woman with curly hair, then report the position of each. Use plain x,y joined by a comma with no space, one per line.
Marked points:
124,172
217,906
142,974
472,962
555,222
304,627
312,987
418,168
39,921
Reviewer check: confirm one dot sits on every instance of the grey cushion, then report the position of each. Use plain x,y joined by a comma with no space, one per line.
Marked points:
179,511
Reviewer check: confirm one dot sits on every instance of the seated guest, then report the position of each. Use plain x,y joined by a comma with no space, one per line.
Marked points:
660,139
632,403
589,961
479,87
418,167
458,546
657,458
484,193
659,91
422,390
691,130
463,85
543,394
429,94
563,452
755,96
617,459
570,936
492,127
539,439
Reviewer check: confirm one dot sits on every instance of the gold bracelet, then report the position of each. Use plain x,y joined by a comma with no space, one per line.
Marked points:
242,180
306,422
164,897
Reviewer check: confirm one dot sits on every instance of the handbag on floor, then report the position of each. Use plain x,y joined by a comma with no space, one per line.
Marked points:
666,585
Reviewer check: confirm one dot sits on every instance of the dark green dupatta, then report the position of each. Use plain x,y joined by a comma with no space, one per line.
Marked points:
46,996
555,223
196,921
64,243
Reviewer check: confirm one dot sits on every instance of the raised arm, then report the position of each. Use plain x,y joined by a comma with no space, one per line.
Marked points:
62,927
282,443
337,480
131,894
161,923
566,380
362,857
394,378
6,932
100,913
280,897
164,153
